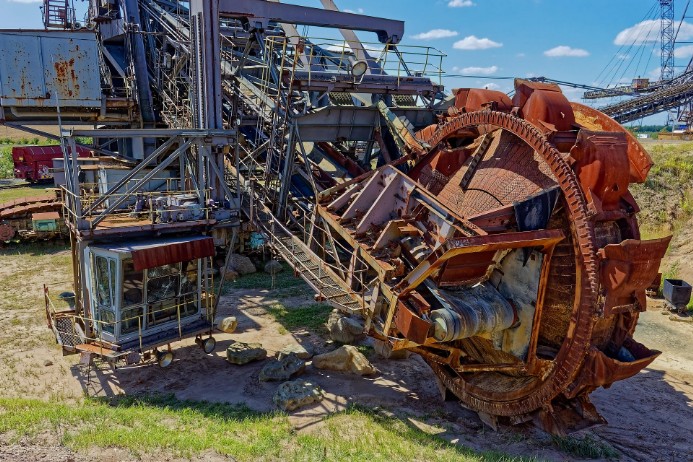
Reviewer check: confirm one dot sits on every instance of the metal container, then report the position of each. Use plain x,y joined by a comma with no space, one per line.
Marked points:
41,69
677,291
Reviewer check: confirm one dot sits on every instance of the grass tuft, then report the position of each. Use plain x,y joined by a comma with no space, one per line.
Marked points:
311,317
285,281
587,447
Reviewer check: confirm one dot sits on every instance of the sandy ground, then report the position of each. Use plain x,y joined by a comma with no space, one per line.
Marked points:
650,415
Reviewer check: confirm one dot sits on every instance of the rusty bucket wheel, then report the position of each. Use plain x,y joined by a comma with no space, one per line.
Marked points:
538,392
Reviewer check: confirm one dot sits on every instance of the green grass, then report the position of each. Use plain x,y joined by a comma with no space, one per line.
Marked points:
586,447
311,317
666,197
38,263
11,194
154,424
283,281
6,163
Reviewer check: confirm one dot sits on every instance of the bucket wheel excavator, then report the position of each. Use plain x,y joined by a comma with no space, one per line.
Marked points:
508,255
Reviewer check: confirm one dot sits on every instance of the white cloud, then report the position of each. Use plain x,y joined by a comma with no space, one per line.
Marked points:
622,57
474,70
520,55
648,32
492,86
655,74
460,3
358,11
434,34
685,51
573,94
562,51
474,43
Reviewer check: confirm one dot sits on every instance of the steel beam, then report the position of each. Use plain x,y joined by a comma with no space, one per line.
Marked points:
131,174
169,160
260,13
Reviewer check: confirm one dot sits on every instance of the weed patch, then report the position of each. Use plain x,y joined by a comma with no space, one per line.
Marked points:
587,447
154,423
311,317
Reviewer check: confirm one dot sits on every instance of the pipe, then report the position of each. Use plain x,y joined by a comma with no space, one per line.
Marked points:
476,310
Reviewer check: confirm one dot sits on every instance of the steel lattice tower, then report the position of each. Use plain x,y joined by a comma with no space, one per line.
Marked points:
667,37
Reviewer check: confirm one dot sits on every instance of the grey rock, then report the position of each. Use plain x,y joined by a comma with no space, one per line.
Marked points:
300,351
48,362
241,264
344,329
273,267
295,394
243,353
345,359
282,369
384,350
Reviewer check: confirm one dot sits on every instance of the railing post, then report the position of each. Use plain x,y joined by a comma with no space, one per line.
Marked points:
139,329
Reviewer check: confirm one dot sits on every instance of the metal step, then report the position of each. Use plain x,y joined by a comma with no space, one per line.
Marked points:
307,265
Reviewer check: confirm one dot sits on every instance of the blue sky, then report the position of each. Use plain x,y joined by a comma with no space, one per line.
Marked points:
573,41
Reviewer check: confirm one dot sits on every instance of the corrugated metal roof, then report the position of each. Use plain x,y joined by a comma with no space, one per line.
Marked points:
152,253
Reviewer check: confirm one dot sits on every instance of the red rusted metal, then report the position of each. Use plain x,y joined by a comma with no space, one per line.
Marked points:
600,161
627,270
515,208
476,99
543,105
35,163
167,253
410,325
639,160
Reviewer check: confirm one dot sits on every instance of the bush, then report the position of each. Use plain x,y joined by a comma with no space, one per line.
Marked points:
6,163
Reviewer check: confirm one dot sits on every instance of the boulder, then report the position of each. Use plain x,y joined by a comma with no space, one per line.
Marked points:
345,359
273,267
344,329
240,264
384,350
228,324
243,353
299,350
230,275
295,394
283,369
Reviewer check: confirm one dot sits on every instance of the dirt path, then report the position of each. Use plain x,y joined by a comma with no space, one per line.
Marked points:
651,415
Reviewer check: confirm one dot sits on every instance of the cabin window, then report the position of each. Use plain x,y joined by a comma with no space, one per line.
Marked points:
104,282
133,284
163,286
108,320
132,320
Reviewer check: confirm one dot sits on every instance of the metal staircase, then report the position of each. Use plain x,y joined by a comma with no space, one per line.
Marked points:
315,271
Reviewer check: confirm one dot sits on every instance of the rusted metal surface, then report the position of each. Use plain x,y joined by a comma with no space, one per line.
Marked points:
515,195
639,160
49,68
149,256
25,207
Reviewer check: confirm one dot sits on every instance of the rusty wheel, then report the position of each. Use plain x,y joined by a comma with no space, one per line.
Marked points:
571,300
6,232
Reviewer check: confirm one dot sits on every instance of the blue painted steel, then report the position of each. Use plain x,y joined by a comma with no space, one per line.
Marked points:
38,66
